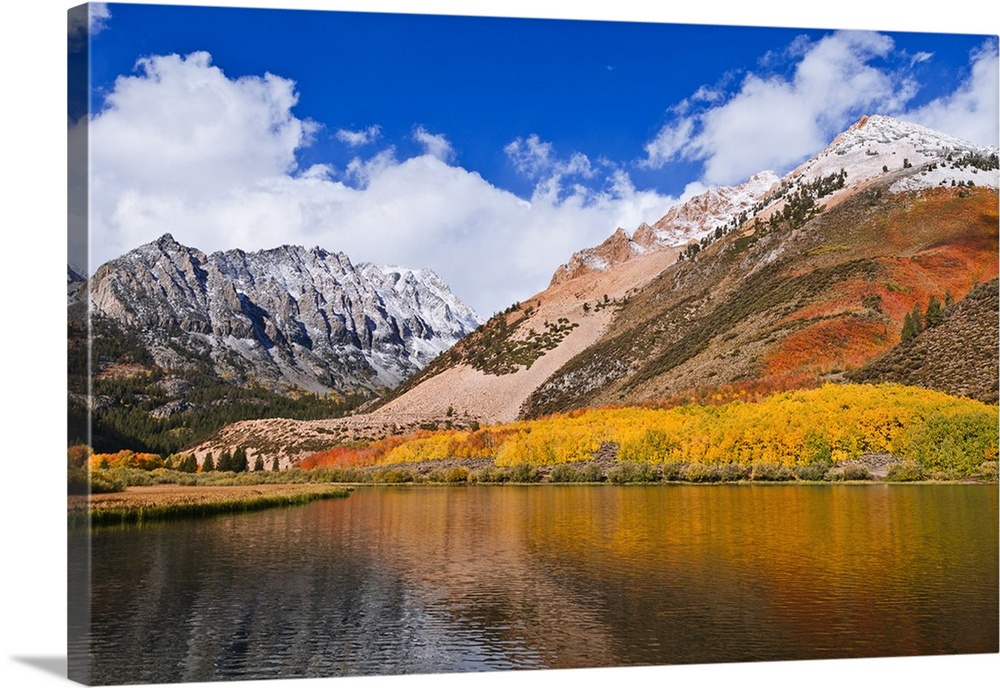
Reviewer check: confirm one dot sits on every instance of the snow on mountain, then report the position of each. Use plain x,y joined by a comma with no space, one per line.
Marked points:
702,214
874,148
682,224
290,316
878,145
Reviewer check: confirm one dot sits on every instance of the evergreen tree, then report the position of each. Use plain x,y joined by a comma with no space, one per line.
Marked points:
225,462
275,466
209,464
240,463
935,313
908,332
258,463
918,321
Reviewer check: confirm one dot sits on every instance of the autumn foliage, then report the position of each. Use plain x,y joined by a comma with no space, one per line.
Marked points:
127,458
828,425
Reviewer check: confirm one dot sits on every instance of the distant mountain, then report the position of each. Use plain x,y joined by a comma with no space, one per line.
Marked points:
180,343
287,317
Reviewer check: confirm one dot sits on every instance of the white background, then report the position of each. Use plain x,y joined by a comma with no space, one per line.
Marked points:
32,265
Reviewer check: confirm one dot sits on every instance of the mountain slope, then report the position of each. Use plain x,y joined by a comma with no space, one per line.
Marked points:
783,308
961,356
790,283
490,374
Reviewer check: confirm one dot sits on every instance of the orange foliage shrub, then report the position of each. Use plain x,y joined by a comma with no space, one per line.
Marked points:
353,457
828,344
126,458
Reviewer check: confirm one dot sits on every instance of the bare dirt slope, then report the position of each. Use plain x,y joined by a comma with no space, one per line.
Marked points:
589,301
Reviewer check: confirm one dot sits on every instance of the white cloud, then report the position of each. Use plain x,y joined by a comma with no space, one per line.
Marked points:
537,160
773,122
361,172
670,143
531,156
434,144
181,148
202,129
971,111
99,16
359,138
708,94
180,134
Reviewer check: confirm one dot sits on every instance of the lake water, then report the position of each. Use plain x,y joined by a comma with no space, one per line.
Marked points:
428,579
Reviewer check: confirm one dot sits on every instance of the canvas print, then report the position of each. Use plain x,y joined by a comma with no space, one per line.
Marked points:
416,344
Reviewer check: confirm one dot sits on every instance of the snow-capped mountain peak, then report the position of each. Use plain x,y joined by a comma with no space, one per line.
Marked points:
878,145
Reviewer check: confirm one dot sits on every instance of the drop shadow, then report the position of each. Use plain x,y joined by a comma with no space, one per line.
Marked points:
50,665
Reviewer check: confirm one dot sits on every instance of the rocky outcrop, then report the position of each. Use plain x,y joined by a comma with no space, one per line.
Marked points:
616,249
684,223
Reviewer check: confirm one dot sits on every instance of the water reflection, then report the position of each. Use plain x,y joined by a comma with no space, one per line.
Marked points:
406,580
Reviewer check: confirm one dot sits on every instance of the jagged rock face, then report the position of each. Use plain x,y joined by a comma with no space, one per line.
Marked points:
616,249
289,316
687,222
694,219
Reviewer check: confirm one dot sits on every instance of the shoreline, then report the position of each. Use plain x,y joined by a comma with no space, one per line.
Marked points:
141,504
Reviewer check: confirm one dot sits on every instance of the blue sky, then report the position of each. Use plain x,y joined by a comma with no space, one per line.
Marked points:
487,149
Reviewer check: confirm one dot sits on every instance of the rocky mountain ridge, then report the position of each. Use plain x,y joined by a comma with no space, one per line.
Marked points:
681,224
287,317
872,148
